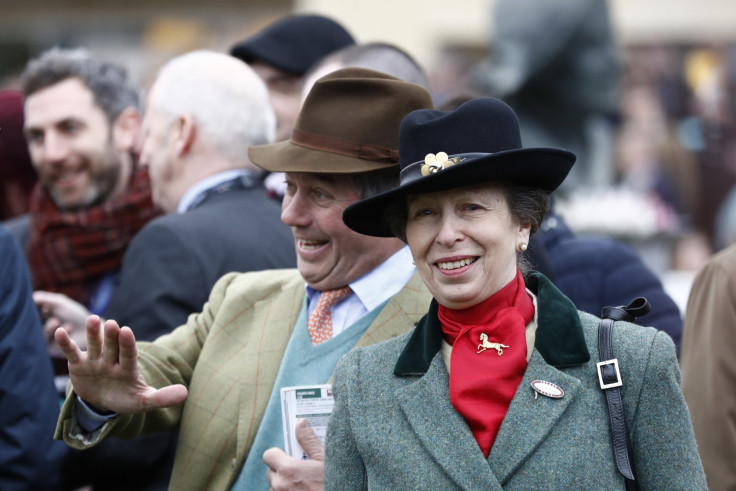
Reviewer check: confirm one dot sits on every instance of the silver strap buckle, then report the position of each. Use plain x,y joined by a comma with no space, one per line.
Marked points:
618,382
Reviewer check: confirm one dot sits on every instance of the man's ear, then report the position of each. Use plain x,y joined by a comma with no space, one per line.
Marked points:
126,130
185,133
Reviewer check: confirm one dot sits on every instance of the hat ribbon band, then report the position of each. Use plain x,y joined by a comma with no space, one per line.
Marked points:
413,172
340,146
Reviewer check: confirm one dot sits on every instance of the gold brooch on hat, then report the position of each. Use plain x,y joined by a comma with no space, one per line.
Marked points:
433,163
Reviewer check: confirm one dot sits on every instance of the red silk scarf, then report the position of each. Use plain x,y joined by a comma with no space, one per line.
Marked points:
483,376
69,251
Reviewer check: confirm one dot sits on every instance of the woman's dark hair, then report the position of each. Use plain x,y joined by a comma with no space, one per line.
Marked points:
526,205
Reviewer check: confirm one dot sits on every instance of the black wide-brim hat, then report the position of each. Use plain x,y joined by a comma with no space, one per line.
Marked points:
480,141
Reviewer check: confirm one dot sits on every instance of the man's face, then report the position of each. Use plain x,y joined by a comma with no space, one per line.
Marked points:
284,90
71,144
156,153
329,254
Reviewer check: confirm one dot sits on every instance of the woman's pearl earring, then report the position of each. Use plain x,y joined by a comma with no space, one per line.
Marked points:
522,246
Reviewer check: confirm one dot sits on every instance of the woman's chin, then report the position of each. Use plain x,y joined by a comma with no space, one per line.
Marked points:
458,301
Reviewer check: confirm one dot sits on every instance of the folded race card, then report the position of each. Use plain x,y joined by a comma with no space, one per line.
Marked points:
311,402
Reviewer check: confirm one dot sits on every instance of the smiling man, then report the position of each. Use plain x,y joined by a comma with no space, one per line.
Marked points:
266,330
81,124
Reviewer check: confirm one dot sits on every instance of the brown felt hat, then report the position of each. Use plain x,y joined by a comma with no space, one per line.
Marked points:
349,123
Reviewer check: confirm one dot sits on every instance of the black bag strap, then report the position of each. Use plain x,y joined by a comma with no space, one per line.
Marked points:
609,377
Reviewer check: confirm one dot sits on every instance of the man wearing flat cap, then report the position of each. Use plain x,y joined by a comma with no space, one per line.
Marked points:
218,376
283,52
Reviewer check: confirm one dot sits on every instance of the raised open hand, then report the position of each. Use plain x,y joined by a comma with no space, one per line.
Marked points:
107,374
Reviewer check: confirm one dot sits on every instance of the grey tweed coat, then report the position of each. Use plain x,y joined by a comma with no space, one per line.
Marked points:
393,426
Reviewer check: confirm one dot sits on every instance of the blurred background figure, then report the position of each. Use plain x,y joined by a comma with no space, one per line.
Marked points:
204,111
650,159
556,62
382,57
17,176
596,272
29,457
709,131
642,169
82,122
283,52
709,367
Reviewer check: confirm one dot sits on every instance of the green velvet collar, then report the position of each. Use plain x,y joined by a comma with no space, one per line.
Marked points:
559,337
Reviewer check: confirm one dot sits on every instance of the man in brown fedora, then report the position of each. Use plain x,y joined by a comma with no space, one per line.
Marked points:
218,376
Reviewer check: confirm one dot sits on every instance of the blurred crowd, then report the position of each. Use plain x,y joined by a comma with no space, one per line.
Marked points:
676,138
664,146
661,144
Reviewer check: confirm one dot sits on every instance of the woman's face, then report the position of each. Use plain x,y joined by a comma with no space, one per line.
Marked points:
464,243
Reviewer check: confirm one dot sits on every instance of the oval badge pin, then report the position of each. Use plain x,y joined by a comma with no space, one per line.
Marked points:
547,389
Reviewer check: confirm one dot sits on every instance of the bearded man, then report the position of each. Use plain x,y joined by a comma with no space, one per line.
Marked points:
82,123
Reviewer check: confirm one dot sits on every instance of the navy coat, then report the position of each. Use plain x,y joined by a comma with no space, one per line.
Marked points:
29,405
597,272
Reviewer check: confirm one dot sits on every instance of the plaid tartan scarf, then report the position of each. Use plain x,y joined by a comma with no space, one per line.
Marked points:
69,251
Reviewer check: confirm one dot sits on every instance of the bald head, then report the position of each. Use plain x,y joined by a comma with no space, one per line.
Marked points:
227,101
204,111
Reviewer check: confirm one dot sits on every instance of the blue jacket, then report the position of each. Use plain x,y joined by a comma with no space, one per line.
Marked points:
599,272
29,407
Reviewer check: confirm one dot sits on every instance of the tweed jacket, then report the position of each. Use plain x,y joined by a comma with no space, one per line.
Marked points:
394,427
709,367
228,356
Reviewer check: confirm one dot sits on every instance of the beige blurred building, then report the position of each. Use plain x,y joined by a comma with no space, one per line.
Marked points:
143,33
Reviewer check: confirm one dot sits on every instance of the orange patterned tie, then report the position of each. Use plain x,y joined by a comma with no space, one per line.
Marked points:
320,321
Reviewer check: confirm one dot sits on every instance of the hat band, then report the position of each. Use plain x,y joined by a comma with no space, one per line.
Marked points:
413,172
349,148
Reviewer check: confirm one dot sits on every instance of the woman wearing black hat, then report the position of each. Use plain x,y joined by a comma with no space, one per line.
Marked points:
497,386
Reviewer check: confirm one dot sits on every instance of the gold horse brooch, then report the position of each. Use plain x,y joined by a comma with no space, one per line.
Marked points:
485,344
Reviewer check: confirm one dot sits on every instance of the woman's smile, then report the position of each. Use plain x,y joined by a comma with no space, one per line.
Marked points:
454,264
464,243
